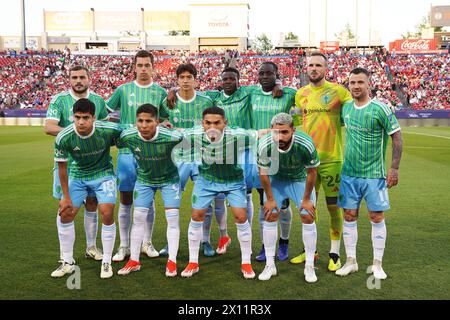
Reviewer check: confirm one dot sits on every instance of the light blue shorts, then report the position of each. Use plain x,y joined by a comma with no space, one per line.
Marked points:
249,163
105,190
294,190
57,191
145,194
186,171
255,176
353,190
126,171
205,191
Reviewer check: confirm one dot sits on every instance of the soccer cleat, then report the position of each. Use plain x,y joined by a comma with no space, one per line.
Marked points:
164,252
171,269
283,246
191,269
261,257
63,269
310,274
267,273
377,270
224,242
106,271
334,263
93,253
149,250
121,254
247,271
301,258
350,266
208,251
131,266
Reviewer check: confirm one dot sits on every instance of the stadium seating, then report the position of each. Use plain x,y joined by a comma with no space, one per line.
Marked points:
29,81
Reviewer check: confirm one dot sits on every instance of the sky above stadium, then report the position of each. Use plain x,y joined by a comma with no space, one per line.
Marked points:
389,18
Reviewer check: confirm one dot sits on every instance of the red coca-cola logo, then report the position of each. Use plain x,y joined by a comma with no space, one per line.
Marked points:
419,44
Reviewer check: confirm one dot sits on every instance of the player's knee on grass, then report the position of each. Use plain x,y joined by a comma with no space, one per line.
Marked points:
376,216
126,198
91,204
350,215
107,212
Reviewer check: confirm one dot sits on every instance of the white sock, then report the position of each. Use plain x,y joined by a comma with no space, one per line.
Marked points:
309,235
207,225
350,235
285,223
244,234
194,237
149,224
379,235
124,225
270,241
58,221
66,235
249,208
261,223
108,239
220,210
137,232
173,232
335,246
90,227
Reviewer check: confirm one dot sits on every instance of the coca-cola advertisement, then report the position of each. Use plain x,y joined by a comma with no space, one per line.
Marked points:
413,45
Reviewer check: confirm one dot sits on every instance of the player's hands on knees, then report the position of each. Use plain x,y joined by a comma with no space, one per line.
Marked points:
309,207
271,211
65,207
392,178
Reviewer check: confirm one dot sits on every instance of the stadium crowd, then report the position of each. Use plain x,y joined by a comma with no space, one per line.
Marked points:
29,81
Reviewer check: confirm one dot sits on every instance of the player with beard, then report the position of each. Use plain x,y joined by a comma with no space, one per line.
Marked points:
319,106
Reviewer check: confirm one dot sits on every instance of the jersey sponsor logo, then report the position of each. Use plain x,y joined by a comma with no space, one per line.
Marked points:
309,111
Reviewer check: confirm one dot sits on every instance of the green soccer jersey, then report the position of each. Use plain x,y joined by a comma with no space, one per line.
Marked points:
154,157
61,107
129,97
237,107
90,155
220,161
186,114
291,164
265,107
367,132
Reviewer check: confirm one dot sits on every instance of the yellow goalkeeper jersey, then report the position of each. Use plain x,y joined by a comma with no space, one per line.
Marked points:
318,110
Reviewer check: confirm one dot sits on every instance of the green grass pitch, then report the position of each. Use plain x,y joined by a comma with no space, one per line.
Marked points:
416,258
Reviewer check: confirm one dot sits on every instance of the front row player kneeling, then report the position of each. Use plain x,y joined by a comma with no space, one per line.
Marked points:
286,158
88,143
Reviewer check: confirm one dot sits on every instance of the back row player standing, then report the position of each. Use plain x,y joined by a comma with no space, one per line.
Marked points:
127,98
319,106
